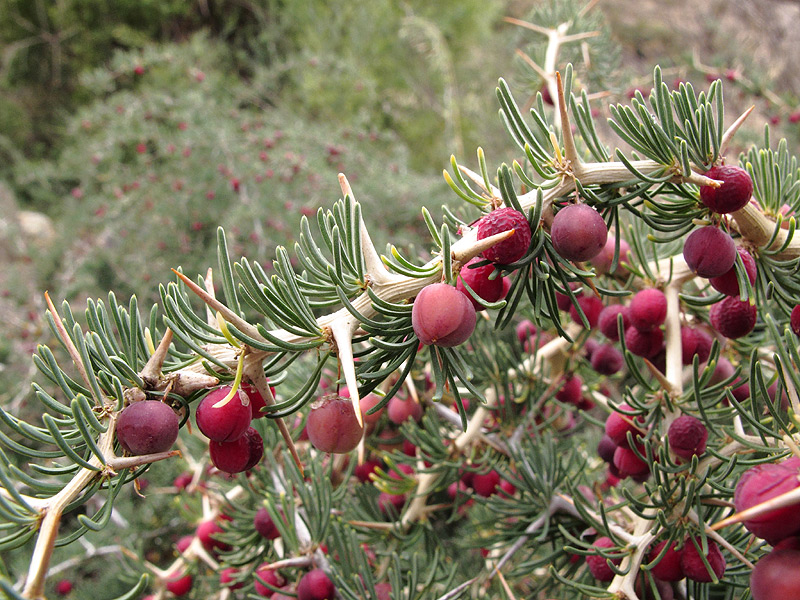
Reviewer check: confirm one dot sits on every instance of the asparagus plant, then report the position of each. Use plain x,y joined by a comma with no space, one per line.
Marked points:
489,482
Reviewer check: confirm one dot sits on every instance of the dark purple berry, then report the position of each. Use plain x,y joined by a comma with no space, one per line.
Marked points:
147,427
733,194
578,232
709,251
733,318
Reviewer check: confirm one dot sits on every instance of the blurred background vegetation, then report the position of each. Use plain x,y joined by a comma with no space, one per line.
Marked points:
130,130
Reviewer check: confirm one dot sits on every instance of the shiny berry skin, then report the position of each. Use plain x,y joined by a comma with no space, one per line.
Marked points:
578,232
759,484
669,567
687,436
477,278
315,585
442,316
693,566
647,309
735,191
147,427
727,283
598,565
709,251
513,248
332,424
224,423
486,484
618,425
794,320
733,318
240,455
777,575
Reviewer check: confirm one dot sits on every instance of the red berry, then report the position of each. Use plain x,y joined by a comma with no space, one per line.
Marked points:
606,448
693,565
63,587
578,232
257,401
733,194
513,248
178,583
240,455
648,309
486,484
315,585
227,422
607,360
644,343
628,463
695,342
591,306
669,567
477,278
442,315
687,436
598,565
227,578
571,390
794,320
264,524
777,575
207,532
709,251
727,282
733,318
183,543
607,321
618,425
759,484
387,500
525,329
332,424
269,576
138,70
147,427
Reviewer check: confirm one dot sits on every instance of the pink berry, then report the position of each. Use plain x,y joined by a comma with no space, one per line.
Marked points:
64,587
607,360
693,565
147,427
628,463
315,585
578,232
591,306
443,316
733,194
571,390
709,251
695,342
227,578
598,565
477,278
727,282
224,423
513,248
239,455
759,484
257,401
777,575
486,484
401,409
687,436
368,402
648,309
602,262
332,424
669,567
264,524
607,321
733,318
644,343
